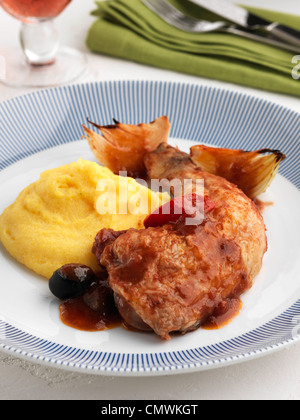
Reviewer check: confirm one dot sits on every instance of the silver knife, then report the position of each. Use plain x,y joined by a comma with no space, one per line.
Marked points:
250,21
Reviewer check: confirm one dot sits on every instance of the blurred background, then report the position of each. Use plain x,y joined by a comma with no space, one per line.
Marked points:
73,25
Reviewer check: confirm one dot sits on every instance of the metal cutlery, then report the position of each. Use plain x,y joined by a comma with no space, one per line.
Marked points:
186,23
250,21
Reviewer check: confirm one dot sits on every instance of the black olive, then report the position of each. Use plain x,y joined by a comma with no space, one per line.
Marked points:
99,297
70,281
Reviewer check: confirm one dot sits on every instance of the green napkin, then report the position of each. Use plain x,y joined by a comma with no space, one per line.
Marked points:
128,29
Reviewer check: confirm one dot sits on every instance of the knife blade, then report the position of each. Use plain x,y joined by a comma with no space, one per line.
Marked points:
250,21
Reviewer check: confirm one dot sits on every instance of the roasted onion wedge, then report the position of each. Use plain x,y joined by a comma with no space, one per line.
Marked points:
122,147
252,172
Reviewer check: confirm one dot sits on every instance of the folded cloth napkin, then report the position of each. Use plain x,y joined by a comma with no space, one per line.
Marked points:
128,29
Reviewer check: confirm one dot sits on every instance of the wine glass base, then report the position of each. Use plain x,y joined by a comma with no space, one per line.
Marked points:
69,65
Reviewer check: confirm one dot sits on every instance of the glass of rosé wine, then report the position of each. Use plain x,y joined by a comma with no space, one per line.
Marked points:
41,61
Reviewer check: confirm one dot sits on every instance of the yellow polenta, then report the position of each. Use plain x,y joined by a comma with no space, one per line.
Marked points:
54,221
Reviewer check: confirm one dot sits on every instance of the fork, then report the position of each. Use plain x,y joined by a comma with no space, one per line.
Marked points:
186,23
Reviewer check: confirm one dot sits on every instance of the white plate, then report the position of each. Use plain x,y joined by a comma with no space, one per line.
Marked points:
42,131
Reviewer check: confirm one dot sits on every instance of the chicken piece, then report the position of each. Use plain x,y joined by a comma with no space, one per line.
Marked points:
174,277
104,238
236,215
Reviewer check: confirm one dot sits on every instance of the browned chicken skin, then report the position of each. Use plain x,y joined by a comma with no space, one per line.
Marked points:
237,217
173,277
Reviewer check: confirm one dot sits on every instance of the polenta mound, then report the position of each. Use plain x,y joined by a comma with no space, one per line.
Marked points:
54,221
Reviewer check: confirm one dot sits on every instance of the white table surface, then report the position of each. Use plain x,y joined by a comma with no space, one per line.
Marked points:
273,377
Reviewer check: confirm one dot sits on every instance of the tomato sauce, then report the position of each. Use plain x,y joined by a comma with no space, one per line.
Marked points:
261,205
95,310
75,313
223,314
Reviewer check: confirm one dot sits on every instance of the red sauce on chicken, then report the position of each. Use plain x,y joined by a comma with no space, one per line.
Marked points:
223,314
96,309
75,313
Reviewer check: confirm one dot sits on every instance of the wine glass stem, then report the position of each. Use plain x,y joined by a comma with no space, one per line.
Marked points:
39,41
